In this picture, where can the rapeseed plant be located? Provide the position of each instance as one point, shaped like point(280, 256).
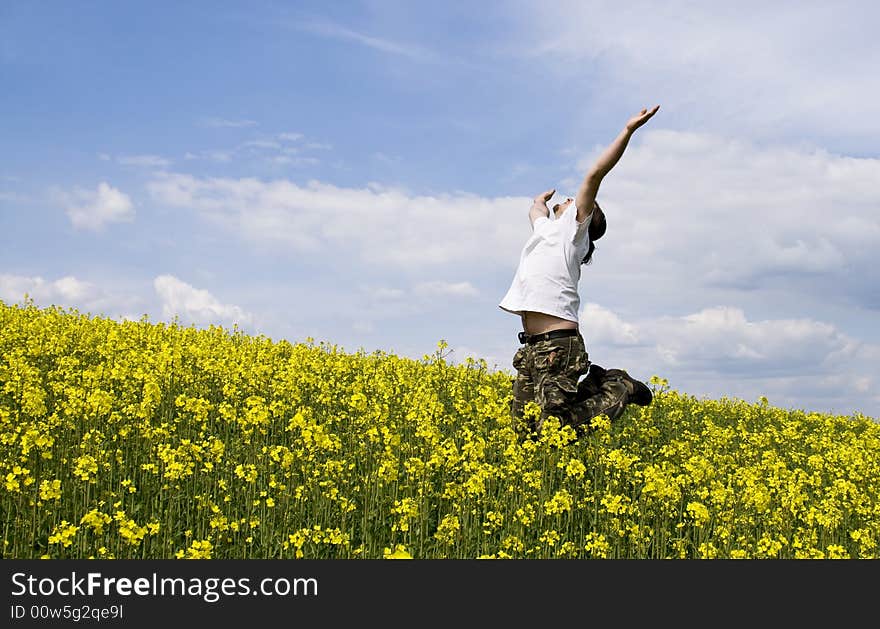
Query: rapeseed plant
point(140, 440)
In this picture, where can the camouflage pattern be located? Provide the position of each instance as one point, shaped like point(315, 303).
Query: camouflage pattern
point(548, 373)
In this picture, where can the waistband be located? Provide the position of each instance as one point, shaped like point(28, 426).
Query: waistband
point(546, 336)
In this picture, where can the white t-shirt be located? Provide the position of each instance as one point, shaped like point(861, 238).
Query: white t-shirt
point(549, 268)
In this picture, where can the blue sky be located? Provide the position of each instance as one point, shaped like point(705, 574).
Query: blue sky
point(360, 173)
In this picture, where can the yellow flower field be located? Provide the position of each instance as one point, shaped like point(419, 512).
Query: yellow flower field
point(149, 440)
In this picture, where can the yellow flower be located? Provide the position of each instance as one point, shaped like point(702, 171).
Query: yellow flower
point(835, 551)
point(63, 534)
point(399, 552)
point(96, 520)
point(85, 467)
point(560, 503)
point(698, 512)
point(50, 490)
point(575, 469)
point(198, 549)
point(448, 529)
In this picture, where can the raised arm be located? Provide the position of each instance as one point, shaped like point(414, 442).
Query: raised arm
point(586, 194)
point(539, 206)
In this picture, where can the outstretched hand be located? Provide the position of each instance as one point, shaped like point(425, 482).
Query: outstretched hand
point(545, 196)
point(641, 118)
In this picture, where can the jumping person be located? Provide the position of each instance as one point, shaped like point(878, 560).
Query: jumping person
point(544, 293)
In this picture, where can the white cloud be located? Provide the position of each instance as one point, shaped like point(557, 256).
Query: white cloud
point(445, 289)
point(274, 150)
point(698, 209)
point(719, 351)
point(601, 325)
point(72, 289)
point(177, 298)
point(94, 210)
point(65, 290)
point(149, 161)
point(459, 355)
point(722, 339)
point(705, 211)
point(381, 303)
point(376, 224)
point(750, 67)
point(195, 305)
point(214, 155)
point(284, 160)
point(69, 292)
point(261, 144)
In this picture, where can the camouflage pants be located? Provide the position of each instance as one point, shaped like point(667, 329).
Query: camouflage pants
point(548, 373)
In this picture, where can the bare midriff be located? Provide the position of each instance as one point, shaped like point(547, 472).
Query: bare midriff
point(538, 323)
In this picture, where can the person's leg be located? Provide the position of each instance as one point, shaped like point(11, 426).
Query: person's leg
point(523, 391)
point(608, 392)
point(590, 385)
point(640, 393)
point(559, 363)
point(610, 399)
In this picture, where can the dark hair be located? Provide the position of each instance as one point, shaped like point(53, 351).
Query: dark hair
point(595, 231)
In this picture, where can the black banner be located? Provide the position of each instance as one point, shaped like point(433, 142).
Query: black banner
point(134, 593)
